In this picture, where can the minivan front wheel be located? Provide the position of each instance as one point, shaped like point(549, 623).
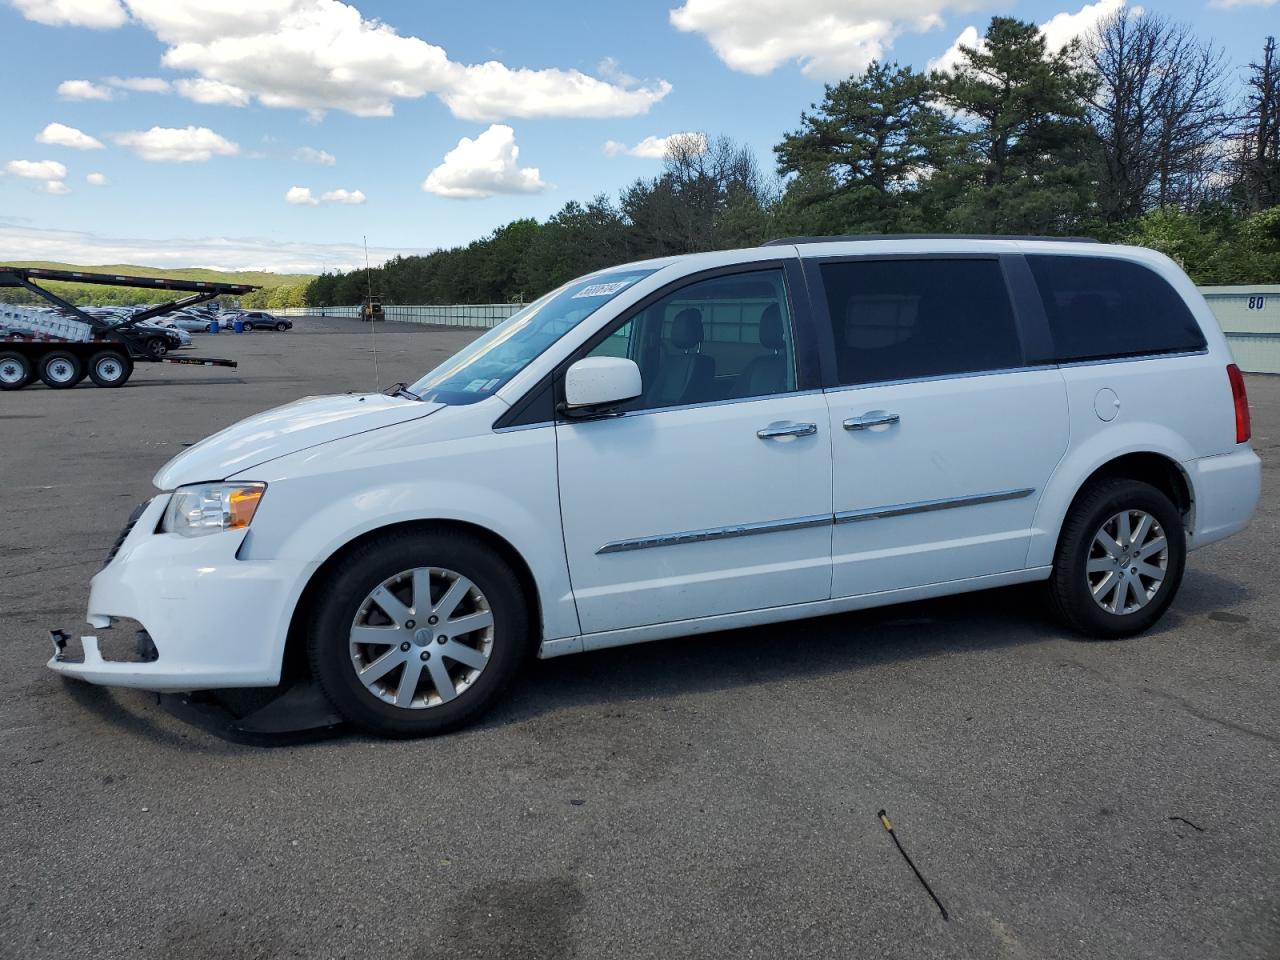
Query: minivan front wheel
point(1119, 561)
point(417, 633)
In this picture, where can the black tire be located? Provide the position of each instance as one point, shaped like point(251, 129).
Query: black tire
point(281, 328)
point(157, 347)
point(1069, 589)
point(340, 600)
point(61, 370)
point(110, 368)
point(16, 370)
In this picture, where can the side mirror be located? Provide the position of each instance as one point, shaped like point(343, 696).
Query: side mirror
point(594, 385)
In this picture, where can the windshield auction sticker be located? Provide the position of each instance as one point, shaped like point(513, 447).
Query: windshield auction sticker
point(605, 289)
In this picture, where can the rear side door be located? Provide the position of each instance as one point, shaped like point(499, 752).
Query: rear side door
point(946, 418)
point(711, 493)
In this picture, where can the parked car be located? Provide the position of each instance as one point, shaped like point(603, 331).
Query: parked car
point(700, 443)
point(166, 323)
point(156, 340)
point(190, 322)
point(260, 320)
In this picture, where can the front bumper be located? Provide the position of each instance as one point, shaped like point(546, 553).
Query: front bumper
point(215, 621)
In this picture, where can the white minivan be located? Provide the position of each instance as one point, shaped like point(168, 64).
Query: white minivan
point(693, 444)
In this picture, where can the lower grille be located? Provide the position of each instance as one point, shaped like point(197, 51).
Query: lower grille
point(129, 525)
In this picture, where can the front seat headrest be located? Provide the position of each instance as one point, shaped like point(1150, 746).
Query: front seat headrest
point(686, 329)
point(771, 333)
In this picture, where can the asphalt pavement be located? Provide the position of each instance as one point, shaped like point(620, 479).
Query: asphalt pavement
point(705, 797)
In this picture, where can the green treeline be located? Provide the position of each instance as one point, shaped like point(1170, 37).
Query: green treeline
point(1140, 133)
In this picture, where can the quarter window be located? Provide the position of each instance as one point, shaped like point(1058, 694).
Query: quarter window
point(719, 339)
point(912, 318)
point(1102, 307)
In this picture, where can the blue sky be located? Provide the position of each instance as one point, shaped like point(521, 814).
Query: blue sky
point(212, 117)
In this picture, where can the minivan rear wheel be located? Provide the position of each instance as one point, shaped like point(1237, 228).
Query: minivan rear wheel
point(417, 633)
point(1119, 561)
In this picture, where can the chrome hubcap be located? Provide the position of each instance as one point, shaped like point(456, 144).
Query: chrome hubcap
point(60, 371)
point(421, 638)
point(1127, 562)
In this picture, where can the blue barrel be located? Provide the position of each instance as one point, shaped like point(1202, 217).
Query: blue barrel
point(237, 326)
point(214, 326)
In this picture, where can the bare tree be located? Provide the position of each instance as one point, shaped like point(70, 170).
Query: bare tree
point(1158, 112)
point(1259, 163)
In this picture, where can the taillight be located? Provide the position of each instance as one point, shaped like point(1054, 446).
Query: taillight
point(1244, 427)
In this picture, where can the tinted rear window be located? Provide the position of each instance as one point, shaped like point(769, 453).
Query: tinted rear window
point(911, 318)
point(1100, 307)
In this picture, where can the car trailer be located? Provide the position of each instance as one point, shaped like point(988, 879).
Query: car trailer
point(63, 349)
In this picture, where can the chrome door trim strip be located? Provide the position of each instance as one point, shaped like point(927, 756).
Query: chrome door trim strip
point(928, 506)
point(815, 520)
point(716, 533)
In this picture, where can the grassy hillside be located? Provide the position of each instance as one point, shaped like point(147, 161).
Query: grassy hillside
point(278, 289)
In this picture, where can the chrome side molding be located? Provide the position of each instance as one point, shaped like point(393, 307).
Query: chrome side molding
point(716, 533)
point(927, 506)
point(817, 520)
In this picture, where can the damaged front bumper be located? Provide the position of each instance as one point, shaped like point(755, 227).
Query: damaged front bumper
point(210, 620)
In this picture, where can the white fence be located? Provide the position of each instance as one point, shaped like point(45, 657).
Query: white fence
point(480, 315)
point(1250, 317)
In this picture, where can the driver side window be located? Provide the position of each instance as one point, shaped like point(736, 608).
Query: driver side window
point(719, 339)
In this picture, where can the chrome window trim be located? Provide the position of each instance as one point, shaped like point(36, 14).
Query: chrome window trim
point(928, 506)
point(716, 533)
point(1170, 355)
point(814, 520)
point(1038, 368)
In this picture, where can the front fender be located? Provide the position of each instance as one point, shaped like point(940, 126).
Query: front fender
point(503, 483)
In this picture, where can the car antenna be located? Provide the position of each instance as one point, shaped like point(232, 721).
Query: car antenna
point(373, 336)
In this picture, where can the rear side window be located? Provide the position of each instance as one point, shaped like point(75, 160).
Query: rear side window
point(1100, 307)
point(911, 318)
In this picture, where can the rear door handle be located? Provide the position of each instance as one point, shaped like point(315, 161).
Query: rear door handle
point(874, 418)
point(787, 429)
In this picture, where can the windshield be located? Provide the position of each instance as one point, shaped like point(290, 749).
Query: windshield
point(486, 364)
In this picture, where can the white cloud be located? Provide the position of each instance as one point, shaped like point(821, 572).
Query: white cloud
point(60, 135)
point(1059, 30)
point(177, 144)
point(84, 90)
point(492, 91)
point(98, 14)
point(482, 167)
point(312, 155)
point(56, 187)
point(140, 84)
point(37, 169)
point(21, 242)
point(828, 38)
point(951, 57)
point(96, 179)
point(212, 92)
point(343, 196)
point(300, 197)
point(651, 148)
point(318, 55)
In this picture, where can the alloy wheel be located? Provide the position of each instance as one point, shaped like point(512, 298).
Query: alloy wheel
point(421, 638)
point(1127, 563)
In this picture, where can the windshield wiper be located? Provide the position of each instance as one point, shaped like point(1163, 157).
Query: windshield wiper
point(398, 390)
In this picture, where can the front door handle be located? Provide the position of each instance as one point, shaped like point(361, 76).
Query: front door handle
point(875, 418)
point(787, 429)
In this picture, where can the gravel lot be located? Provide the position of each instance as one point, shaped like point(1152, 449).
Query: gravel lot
point(712, 797)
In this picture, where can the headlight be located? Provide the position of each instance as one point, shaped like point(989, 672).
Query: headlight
point(209, 507)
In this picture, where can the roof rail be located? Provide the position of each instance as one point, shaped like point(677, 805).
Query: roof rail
point(787, 241)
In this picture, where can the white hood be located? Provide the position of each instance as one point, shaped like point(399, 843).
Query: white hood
point(284, 430)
